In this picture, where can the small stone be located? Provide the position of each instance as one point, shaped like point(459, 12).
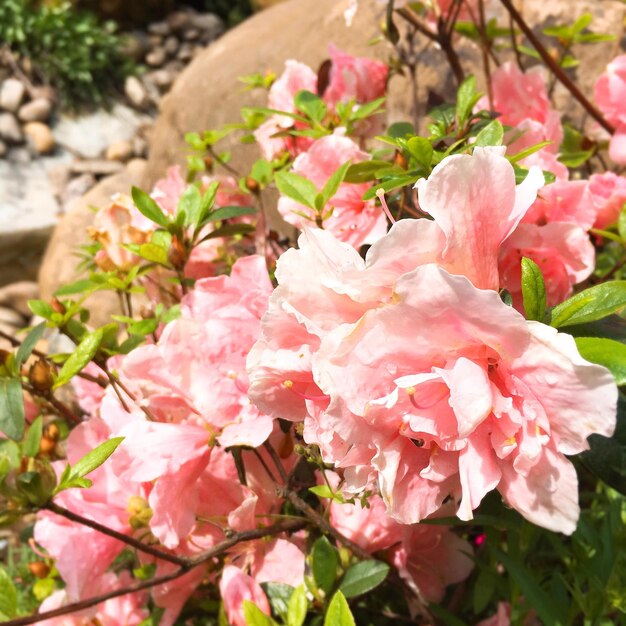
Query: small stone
point(191, 34)
point(16, 296)
point(11, 94)
point(37, 110)
point(119, 151)
point(45, 91)
point(185, 52)
point(162, 78)
point(21, 155)
point(154, 41)
point(179, 20)
point(59, 177)
point(156, 57)
point(159, 28)
point(76, 189)
point(136, 92)
point(140, 147)
point(97, 167)
point(9, 128)
point(210, 25)
point(171, 46)
point(40, 137)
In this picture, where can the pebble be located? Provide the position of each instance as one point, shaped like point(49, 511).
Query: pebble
point(136, 92)
point(40, 137)
point(156, 57)
point(171, 46)
point(119, 151)
point(159, 28)
point(97, 167)
point(37, 110)
point(11, 94)
point(10, 130)
point(16, 296)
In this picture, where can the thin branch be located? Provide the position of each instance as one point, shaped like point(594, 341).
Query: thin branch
point(56, 404)
point(555, 68)
point(414, 20)
point(220, 548)
point(131, 541)
point(277, 462)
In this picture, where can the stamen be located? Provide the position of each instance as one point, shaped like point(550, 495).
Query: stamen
point(380, 193)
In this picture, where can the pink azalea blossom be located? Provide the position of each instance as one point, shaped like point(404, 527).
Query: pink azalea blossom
point(352, 220)
point(563, 201)
point(235, 587)
point(610, 96)
point(608, 196)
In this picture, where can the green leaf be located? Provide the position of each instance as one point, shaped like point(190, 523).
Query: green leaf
point(466, 98)
point(12, 421)
point(190, 204)
point(421, 149)
point(365, 171)
point(228, 212)
point(535, 596)
point(41, 308)
point(490, 135)
point(279, 595)
point(152, 252)
point(332, 184)
point(254, 616)
point(230, 230)
point(363, 577)
point(298, 605)
point(297, 188)
point(28, 345)
point(362, 111)
point(611, 354)
point(310, 104)
point(82, 355)
point(148, 207)
point(621, 223)
point(94, 459)
point(80, 286)
point(522, 154)
point(401, 129)
point(591, 304)
point(533, 290)
point(143, 327)
point(324, 563)
point(322, 491)
point(43, 588)
point(338, 613)
point(33, 438)
point(8, 595)
point(262, 172)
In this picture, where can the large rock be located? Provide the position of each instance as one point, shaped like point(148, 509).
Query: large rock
point(60, 260)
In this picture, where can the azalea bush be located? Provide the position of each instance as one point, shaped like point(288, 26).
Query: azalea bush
point(411, 414)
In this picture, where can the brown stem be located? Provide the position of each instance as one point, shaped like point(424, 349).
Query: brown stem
point(518, 56)
point(57, 405)
point(220, 548)
point(414, 20)
point(277, 462)
point(555, 68)
point(131, 541)
point(16, 343)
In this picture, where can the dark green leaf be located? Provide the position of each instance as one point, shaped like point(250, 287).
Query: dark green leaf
point(591, 304)
point(533, 290)
point(324, 563)
point(82, 355)
point(230, 230)
point(338, 612)
point(148, 207)
point(363, 577)
point(12, 421)
point(611, 354)
point(297, 188)
point(28, 345)
point(401, 129)
point(310, 104)
point(33, 438)
point(421, 149)
point(279, 595)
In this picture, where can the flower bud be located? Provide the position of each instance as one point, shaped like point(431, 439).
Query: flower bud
point(52, 431)
point(39, 569)
point(140, 512)
point(208, 163)
point(41, 375)
point(46, 445)
point(57, 306)
point(252, 185)
point(177, 255)
point(400, 160)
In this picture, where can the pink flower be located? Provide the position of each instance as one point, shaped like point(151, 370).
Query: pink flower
point(351, 219)
point(466, 397)
point(608, 196)
point(167, 191)
point(354, 78)
point(610, 94)
point(235, 587)
point(501, 618)
point(563, 201)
